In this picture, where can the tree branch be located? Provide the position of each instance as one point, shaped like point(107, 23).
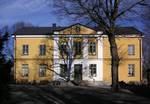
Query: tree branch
point(128, 9)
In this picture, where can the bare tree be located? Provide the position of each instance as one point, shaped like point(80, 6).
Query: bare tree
point(145, 15)
point(105, 14)
point(146, 48)
point(68, 52)
point(19, 25)
point(146, 61)
point(65, 54)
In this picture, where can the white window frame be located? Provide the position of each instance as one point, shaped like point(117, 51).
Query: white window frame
point(42, 70)
point(78, 47)
point(25, 49)
point(42, 49)
point(25, 70)
point(93, 67)
point(131, 70)
point(92, 48)
point(131, 49)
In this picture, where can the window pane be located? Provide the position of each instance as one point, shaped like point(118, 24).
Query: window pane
point(25, 49)
point(92, 68)
point(131, 70)
point(92, 48)
point(63, 70)
point(42, 70)
point(131, 49)
point(78, 46)
point(42, 49)
point(25, 70)
point(63, 48)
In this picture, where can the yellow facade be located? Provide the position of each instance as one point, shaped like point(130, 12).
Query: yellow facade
point(125, 59)
point(34, 59)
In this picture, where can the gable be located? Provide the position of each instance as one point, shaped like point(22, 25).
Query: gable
point(78, 29)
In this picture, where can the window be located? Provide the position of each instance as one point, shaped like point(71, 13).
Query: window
point(42, 70)
point(25, 70)
point(42, 49)
point(63, 48)
point(92, 48)
point(93, 70)
point(131, 70)
point(63, 70)
point(77, 47)
point(25, 49)
point(131, 49)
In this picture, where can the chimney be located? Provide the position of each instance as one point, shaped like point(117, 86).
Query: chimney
point(54, 25)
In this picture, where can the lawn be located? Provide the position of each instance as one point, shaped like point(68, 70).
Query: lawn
point(47, 94)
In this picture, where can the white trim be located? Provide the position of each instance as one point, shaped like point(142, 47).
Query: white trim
point(100, 32)
point(85, 69)
point(32, 36)
point(65, 35)
point(47, 36)
point(55, 57)
point(85, 48)
point(124, 36)
point(85, 63)
point(56, 32)
point(100, 57)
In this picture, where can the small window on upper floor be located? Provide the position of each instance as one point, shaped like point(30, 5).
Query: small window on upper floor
point(42, 49)
point(25, 49)
point(78, 48)
point(92, 48)
point(63, 48)
point(131, 49)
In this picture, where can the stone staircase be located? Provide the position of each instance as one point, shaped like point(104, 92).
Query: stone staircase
point(95, 84)
point(84, 83)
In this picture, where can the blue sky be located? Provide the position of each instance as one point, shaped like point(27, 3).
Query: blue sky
point(38, 13)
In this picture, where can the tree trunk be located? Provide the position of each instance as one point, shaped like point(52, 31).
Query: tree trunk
point(68, 72)
point(114, 61)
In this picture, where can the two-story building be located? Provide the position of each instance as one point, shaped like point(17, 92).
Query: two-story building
point(38, 55)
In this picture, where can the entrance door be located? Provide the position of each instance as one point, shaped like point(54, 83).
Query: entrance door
point(78, 72)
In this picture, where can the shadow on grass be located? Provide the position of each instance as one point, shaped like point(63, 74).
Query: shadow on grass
point(76, 96)
point(4, 94)
point(137, 89)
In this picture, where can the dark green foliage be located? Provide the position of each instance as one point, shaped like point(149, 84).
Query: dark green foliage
point(5, 68)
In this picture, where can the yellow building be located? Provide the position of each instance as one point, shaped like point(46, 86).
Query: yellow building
point(39, 54)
